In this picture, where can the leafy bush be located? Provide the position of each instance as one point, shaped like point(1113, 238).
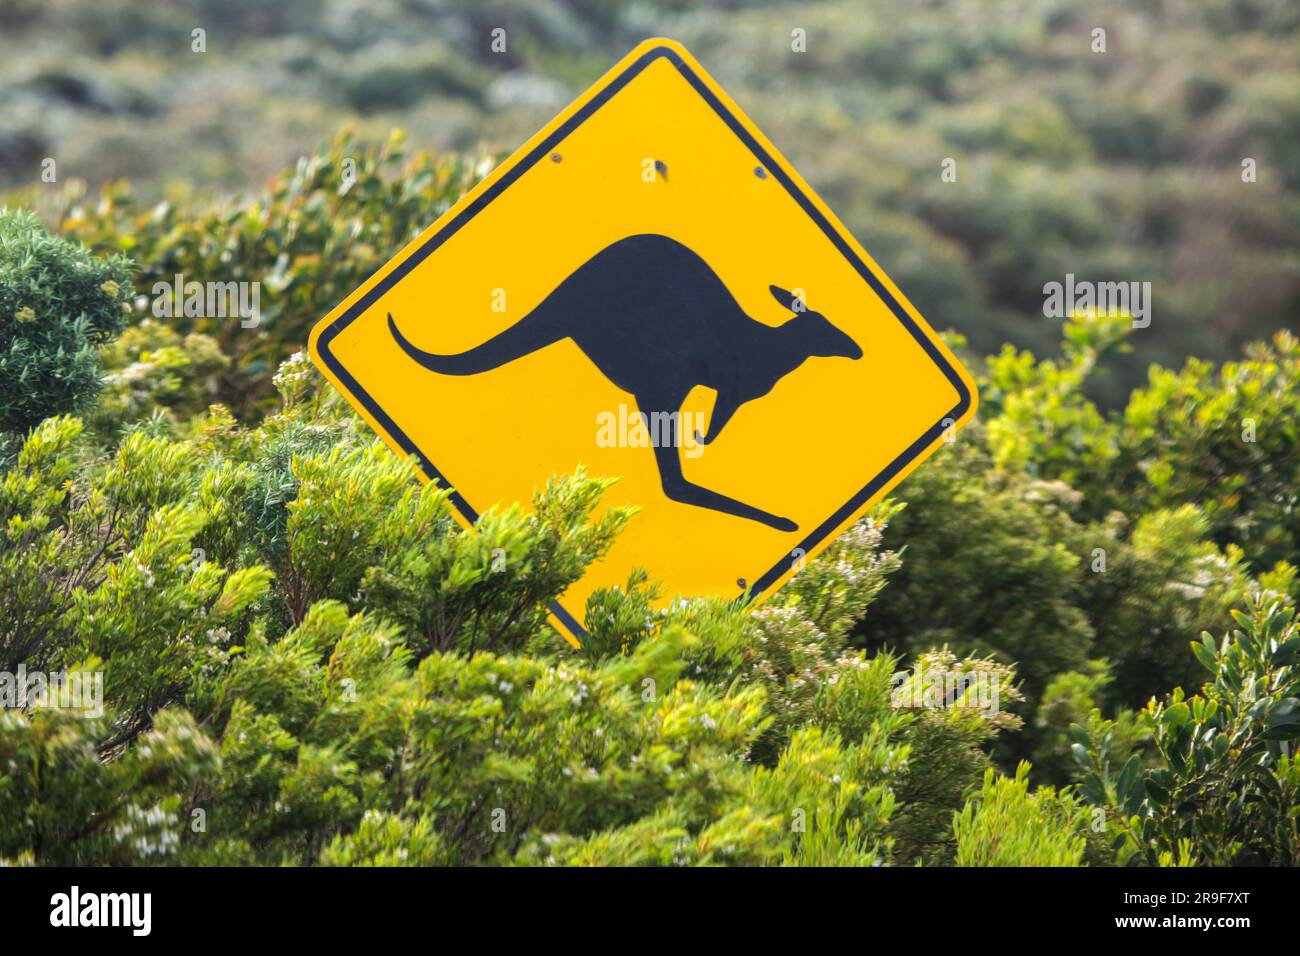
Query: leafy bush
point(1041, 541)
point(58, 304)
point(318, 232)
point(152, 370)
point(1228, 439)
point(1006, 825)
point(1227, 786)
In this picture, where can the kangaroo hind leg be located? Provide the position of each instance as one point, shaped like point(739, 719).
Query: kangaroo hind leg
point(678, 488)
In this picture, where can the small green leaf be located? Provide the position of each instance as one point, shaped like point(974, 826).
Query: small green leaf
point(1082, 756)
point(1176, 715)
point(1205, 654)
point(1286, 711)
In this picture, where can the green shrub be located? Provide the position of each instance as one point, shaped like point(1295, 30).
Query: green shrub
point(58, 304)
point(62, 804)
point(318, 231)
point(152, 370)
point(1227, 785)
point(1006, 825)
point(1226, 439)
point(1037, 538)
point(1075, 698)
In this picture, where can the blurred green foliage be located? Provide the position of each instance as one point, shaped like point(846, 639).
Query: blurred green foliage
point(1123, 165)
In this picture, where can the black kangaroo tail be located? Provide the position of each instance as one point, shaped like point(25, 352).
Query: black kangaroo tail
point(527, 335)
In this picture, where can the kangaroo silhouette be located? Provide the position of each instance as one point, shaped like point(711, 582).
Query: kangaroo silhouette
point(657, 321)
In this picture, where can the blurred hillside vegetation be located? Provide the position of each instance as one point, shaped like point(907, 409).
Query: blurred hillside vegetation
point(1115, 166)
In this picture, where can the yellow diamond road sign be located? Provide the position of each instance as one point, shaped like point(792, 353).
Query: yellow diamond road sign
point(647, 288)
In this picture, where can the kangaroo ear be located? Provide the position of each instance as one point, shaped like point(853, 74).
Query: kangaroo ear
point(787, 299)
